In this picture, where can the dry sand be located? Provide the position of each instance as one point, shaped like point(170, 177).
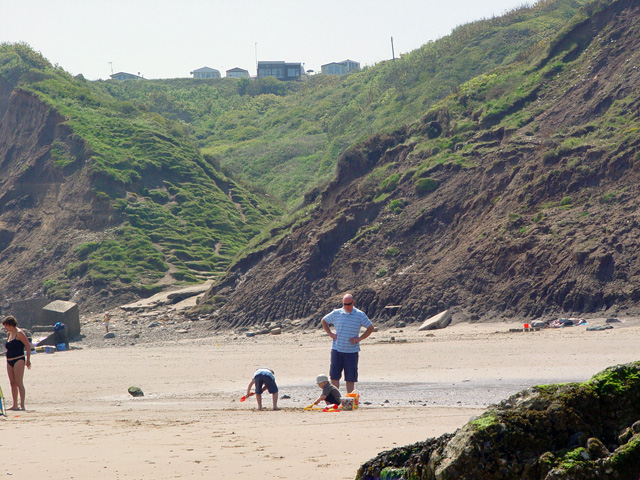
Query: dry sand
point(81, 423)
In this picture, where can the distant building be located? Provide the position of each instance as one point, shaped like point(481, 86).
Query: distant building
point(281, 70)
point(125, 76)
point(206, 72)
point(238, 73)
point(340, 68)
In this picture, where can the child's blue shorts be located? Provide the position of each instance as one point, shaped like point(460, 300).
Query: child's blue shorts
point(261, 380)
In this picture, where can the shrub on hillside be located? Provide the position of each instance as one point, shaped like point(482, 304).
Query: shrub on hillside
point(425, 185)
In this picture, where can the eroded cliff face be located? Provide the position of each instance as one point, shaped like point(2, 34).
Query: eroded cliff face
point(537, 216)
point(46, 209)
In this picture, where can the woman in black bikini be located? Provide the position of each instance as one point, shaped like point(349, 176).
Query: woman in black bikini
point(17, 359)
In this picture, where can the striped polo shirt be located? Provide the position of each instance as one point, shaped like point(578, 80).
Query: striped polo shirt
point(347, 326)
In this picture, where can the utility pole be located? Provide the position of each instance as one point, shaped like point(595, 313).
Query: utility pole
point(256, 46)
point(111, 63)
point(393, 54)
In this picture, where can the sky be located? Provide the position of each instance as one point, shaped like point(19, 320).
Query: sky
point(171, 38)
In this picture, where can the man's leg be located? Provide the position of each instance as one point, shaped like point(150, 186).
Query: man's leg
point(350, 370)
point(335, 370)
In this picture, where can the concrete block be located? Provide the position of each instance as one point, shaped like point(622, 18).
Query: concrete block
point(440, 320)
point(65, 312)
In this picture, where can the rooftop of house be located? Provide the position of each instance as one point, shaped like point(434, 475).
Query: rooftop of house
point(205, 69)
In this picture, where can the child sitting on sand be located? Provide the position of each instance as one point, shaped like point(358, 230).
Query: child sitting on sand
point(264, 379)
point(330, 393)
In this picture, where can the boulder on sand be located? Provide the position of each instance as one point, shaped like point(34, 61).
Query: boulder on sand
point(135, 392)
point(440, 320)
point(560, 432)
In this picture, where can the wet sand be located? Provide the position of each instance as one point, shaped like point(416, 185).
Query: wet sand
point(81, 423)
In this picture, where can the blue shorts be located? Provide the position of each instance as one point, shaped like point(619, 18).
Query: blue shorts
point(262, 380)
point(344, 361)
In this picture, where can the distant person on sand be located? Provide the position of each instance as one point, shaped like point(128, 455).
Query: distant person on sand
point(264, 379)
point(330, 393)
point(18, 356)
point(107, 319)
point(346, 341)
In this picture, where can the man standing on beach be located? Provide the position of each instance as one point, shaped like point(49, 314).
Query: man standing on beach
point(346, 341)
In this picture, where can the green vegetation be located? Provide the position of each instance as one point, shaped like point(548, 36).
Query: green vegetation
point(628, 455)
point(540, 216)
point(425, 185)
point(390, 183)
point(381, 272)
point(616, 380)
point(609, 197)
point(163, 156)
point(128, 258)
point(487, 420)
point(391, 252)
point(365, 232)
point(393, 473)
point(566, 202)
point(378, 182)
point(57, 288)
point(175, 206)
point(396, 206)
point(573, 459)
point(286, 137)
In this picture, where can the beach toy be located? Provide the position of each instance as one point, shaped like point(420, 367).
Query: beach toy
point(347, 403)
point(3, 412)
point(244, 397)
point(356, 398)
point(332, 408)
point(328, 408)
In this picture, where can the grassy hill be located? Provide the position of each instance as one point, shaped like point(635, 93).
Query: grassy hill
point(511, 197)
point(286, 137)
point(167, 214)
point(179, 176)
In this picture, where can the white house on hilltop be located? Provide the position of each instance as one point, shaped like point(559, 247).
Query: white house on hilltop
point(340, 68)
point(125, 76)
point(238, 73)
point(206, 72)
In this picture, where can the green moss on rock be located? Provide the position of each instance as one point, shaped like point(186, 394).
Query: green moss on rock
point(568, 431)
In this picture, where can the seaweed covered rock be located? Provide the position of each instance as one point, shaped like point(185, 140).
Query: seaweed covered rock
point(577, 431)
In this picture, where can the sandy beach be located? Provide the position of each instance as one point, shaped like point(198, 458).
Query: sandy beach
point(81, 423)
